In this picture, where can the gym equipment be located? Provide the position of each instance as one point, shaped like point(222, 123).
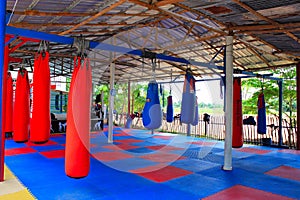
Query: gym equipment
point(261, 114)
point(77, 156)
point(188, 99)
point(152, 113)
point(21, 113)
point(237, 114)
point(41, 121)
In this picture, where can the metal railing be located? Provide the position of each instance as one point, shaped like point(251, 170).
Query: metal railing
point(215, 129)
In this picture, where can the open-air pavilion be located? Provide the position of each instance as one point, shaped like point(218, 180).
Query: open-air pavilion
point(131, 41)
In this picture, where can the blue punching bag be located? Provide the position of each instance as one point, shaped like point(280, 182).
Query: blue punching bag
point(170, 109)
point(188, 99)
point(261, 115)
point(196, 120)
point(152, 114)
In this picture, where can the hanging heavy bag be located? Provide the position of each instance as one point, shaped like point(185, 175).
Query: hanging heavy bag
point(188, 99)
point(8, 126)
point(261, 115)
point(237, 114)
point(77, 157)
point(196, 120)
point(21, 114)
point(41, 121)
point(152, 113)
point(170, 109)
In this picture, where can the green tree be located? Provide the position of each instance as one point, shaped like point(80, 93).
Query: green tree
point(254, 86)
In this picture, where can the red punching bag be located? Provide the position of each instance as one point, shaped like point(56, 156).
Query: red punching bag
point(77, 157)
point(40, 121)
point(8, 126)
point(21, 114)
point(237, 123)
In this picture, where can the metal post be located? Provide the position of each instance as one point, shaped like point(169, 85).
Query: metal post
point(2, 71)
point(61, 102)
point(298, 106)
point(111, 97)
point(280, 114)
point(188, 129)
point(128, 99)
point(228, 105)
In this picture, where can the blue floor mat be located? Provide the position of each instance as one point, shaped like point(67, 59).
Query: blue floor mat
point(46, 178)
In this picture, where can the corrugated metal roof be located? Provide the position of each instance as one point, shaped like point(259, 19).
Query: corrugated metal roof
point(266, 33)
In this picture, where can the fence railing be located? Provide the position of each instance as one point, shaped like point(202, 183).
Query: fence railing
point(215, 129)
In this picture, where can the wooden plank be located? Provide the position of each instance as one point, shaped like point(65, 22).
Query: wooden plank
point(102, 12)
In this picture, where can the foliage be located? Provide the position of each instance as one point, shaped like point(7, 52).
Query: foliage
point(138, 92)
point(253, 87)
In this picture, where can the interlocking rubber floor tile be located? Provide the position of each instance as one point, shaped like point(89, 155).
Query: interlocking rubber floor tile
point(164, 148)
point(254, 150)
point(163, 157)
point(240, 192)
point(286, 172)
point(17, 151)
point(54, 154)
point(290, 151)
point(165, 174)
point(48, 143)
point(110, 156)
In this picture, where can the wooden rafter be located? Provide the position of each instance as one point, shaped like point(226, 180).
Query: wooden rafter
point(166, 2)
point(73, 14)
point(257, 14)
point(94, 17)
point(28, 25)
point(272, 67)
point(264, 27)
point(193, 21)
point(200, 13)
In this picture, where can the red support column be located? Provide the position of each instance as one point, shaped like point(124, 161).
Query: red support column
point(298, 105)
point(4, 83)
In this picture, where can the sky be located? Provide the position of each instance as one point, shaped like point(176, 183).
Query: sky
point(206, 91)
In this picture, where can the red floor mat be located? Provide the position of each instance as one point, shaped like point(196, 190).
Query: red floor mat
point(163, 157)
point(110, 156)
point(239, 192)
point(164, 137)
point(17, 151)
point(253, 150)
point(203, 143)
point(54, 154)
point(165, 174)
point(286, 172)
point(121, 134)
point(291, 151)
point(50, 142)
point(164, 148)
point(128, 141)
point(119, 147)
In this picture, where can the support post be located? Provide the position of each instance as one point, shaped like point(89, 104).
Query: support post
point(61, 102)
point(188, 129)
point(229, 104)
point(298, 105)
point(111, 97)
point(2, 71)
point(280, 114)
point(128, 99)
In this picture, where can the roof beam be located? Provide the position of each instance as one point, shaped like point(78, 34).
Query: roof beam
point(28, 25)
point(264, 27)
point(73, 14)
point(257, 14)
point(166, 2)
point(102, 12)
point(194, 21)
